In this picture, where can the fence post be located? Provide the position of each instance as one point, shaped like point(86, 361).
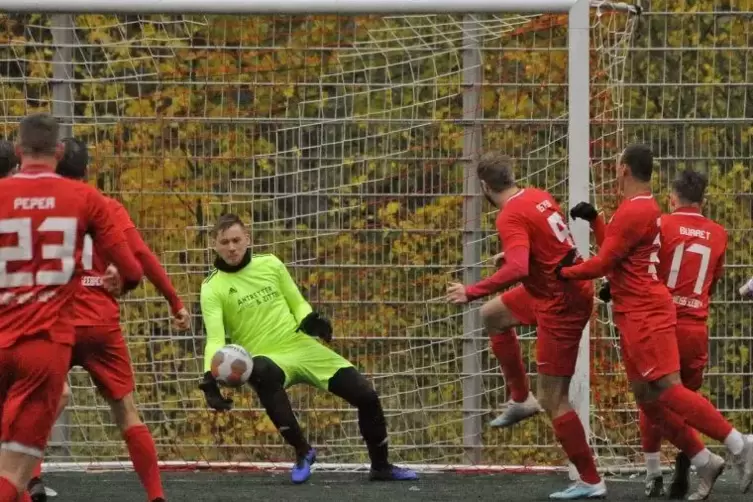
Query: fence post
point(472, 380)
point(62, 108)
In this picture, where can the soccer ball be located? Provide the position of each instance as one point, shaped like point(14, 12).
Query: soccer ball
point(232, 365)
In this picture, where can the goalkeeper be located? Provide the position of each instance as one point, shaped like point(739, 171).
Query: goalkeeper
point(256, 303)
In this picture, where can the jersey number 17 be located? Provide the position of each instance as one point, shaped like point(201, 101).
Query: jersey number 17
point(674, 268)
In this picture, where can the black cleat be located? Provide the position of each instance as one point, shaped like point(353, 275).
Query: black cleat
point(681, 478)
point(655, 487)
point(37, 491)
point(159, 499)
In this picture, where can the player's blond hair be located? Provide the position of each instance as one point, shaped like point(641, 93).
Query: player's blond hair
point(496, 170)
point(226, 221)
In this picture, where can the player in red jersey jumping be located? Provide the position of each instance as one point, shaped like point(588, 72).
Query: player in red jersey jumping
point(644, 314)
point(99, 345)
point(43, 220)
point(535, 239)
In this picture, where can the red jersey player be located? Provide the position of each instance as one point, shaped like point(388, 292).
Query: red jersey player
point(43, 220)
point(691, 262)
point(100, 347)
point(535, 240)
point(644, 314)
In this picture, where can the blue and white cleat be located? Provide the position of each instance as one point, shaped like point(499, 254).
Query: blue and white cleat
point(393, 473)
point(302, 469)
point(516, 412)
point(581, 490)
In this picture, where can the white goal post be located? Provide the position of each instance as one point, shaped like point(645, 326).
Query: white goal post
point(578, 135)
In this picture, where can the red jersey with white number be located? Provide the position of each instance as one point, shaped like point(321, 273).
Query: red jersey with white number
point(43, 220)
point(691, 260)
point(629, 256)
point(93, 305)
point(532, 218)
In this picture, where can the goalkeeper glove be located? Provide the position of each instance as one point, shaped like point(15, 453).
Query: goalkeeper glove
point(584, 211)
point(212, 394)
point(567, 261)
point(605, 293)
point(317, 325)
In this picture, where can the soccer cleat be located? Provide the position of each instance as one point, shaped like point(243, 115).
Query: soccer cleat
point(680, 485)
point(392, 473)
point(36, 490)
point(707, 475)
point(302, 468)
point(743, 464)
point(516, 412)
point(654, 486)
point(581, 490)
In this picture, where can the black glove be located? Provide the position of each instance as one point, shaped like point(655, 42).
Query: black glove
point(317, 325)
point(584, 211)
point(567, 261)
point(212, 394)
point(605, 293)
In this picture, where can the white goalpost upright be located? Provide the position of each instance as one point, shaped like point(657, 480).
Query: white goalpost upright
point(459, 388)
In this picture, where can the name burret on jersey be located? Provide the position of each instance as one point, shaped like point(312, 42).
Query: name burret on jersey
point(31, 203)
point(694, 232)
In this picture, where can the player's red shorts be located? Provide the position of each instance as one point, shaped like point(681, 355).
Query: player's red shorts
point(34, 371)
point(102, 352)
point(559, 325)
point(693, 344)
point(649, 343)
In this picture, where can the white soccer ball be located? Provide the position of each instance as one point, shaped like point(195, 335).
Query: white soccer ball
point(232, 366)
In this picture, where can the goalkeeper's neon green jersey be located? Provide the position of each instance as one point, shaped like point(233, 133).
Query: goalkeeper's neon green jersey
point(258, 307)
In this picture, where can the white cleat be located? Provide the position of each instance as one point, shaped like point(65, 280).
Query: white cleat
point(581, 490)
point(707, 476)
point(655, 486)
point(517, 412)
point(744, 464)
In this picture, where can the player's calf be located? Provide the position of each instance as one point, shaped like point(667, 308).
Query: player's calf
point(553, 393)
point(352, 386)
point(140, 445)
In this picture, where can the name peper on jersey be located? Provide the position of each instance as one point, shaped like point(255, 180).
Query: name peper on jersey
point(93, 305)
point(691, 260)
point(533, 218)
point(43, 220)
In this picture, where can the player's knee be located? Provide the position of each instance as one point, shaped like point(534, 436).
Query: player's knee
point(125, 413)
point(266, 375)
point(495, 316)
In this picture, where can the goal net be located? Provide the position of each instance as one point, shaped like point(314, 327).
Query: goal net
point(344, 142)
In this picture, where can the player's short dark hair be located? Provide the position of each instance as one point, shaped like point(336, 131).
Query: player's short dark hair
point(38, 134)
point(226, 221)
point(75, 161)
point(496, 170)
point(640, 160)
point(690, 186)
point(8, 158)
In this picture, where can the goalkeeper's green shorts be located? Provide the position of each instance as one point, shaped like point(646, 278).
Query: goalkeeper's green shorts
point(307, 361)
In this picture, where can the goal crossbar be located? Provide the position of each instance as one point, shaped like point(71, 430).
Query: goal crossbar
point(392, 7)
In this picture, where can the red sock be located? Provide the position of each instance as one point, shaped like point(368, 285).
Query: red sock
point(37, 470)
point(650, 434)
point(144, 457)
point(673, 428)
point(26, 497)
point(698, 412)
point(572, 437)
point(507, 351)
point(8, 491)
